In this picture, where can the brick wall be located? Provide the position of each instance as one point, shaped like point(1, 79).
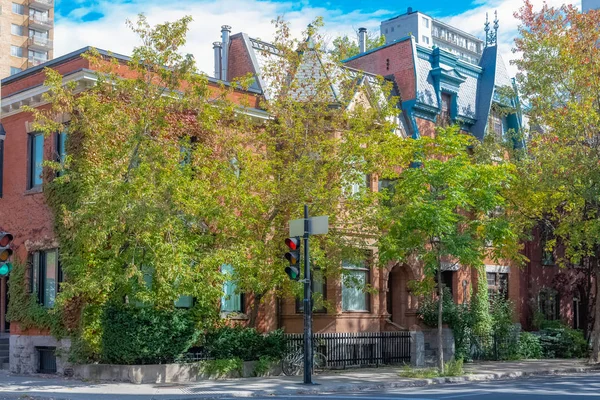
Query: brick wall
point(397, 60)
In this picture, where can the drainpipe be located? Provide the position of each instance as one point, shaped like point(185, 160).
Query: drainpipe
point(362, 40)
point(225, 32)
point(217, 50)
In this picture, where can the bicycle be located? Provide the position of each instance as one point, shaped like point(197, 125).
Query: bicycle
point(293, 363)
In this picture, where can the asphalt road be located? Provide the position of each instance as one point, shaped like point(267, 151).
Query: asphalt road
point(584, 386)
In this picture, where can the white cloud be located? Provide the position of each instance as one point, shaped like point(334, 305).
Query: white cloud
point(251, 16)
point(254, 17)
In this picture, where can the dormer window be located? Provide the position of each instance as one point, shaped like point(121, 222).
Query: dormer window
point(445, 118)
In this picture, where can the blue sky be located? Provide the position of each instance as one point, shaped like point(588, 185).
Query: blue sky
point(101, 23)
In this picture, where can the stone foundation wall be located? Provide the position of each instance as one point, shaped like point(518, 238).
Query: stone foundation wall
point(431, 345)
point(24, 357)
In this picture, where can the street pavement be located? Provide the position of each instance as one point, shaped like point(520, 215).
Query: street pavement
point(366, 383)
point(557, 387)
point(584, 386)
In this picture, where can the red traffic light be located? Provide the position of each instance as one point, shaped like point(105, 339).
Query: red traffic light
point(5, 239)
point(293, 243)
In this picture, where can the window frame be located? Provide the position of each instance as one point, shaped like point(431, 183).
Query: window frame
point(497, 287)
point(37, 275)
point(19, 53)
point(31, 169)
point(366, 270)
point(60, 148)
point(548, 302)
point(18, 6)
point(300, 302)
point(242, 308)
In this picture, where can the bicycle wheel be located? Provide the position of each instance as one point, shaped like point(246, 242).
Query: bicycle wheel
point(290, 365)
point(319, 362)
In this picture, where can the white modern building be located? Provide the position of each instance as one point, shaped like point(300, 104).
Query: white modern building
point(429, 31)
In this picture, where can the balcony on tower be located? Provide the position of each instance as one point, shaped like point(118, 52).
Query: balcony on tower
point(40, 22)
point(41, 4)
point(39, 43)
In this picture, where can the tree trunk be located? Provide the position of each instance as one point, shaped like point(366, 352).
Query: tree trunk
point(595, 356)
point(254, 310)
point(440, 310)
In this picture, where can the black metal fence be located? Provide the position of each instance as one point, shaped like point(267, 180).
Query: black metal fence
point(357, 349)
point(494, 347)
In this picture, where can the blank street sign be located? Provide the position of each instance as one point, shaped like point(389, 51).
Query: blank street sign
point(318, 226)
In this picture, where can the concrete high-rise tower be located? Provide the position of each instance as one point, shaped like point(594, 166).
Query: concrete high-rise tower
point(26, 34)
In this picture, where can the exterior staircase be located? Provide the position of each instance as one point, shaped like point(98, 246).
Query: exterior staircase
point(4, 352)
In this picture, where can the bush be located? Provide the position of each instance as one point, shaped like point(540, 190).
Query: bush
point(145, 335)
point(529, 346)
point(563, 342)
point(245, 343)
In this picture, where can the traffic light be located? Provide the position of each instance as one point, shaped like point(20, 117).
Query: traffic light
point(293, 256)
point(5, 253)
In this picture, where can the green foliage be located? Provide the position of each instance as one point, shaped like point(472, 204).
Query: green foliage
point(447, 206)
point(25, 308)
point(559, 173)
point(145, 335)
point(452, 368)
point(563, 343)
point(245, 343)
point(344, 47)
point(264, 365)
point(222, 368)
point(530, 346)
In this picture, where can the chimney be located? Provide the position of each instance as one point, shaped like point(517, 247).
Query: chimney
point(225, 31)
point(217, 50)
point(409, 10)
point(362, 40)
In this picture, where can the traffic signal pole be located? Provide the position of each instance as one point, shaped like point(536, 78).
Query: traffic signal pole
point(308, 350)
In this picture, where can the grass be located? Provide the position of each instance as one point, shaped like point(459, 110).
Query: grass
point(452, 368)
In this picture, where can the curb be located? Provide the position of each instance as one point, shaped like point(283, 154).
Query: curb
point(406, 382)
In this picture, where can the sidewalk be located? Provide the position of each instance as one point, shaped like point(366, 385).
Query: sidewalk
point(335, 381)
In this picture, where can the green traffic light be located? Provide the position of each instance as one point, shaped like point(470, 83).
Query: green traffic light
point(293, 273)
point(5, 269)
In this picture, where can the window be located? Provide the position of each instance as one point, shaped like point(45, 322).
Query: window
point(426, 22)
point(40, 56)
point(38, 34)
point(61, 150)
point(447, 280)
point(355, 278)
point(16, 29)
point(319, 291)
point(445, 112)
point(547, 253)
point(495, 125)
point(232, 301)
point(184, 302)
point(16, 51)
point(549, 304)
point(36, 158)
point(497, 284)
point(18, 8)
point(38, 15)
point(46, 275)
point(425, 39)
point(577, 313)
point(14, 70)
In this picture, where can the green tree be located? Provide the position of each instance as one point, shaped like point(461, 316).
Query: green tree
point(137, 204)
point(344, 47)
point(330, 130)
point(559, 174)
point(447, 209)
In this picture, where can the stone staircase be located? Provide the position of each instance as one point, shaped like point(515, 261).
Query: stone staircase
point(4, 352)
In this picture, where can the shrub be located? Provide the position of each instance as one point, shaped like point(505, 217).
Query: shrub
point(454, 368)
point(222, 368)
point(244, 343)
point(145, 335)
point(529, 346)
point(563, 342)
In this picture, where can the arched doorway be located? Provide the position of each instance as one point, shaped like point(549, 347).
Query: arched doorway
point(401, 305)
